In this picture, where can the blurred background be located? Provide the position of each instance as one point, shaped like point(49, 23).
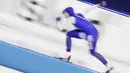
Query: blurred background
point(118, 5)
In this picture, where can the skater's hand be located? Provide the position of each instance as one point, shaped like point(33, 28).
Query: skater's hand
point(58, 19)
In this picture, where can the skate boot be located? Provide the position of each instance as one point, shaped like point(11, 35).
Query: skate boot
point(110, 69)
point(66, 59)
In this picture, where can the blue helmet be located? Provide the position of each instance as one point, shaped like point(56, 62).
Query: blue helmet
point(70, 11)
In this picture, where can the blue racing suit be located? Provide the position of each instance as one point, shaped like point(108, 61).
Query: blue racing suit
point(85, 30)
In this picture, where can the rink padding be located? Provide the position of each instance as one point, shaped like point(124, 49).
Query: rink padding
point(31, 62)
point(109, 9)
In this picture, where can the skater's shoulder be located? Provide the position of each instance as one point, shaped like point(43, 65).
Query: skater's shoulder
point(72, 19)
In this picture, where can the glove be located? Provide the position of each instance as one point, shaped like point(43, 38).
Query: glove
point(58, 19)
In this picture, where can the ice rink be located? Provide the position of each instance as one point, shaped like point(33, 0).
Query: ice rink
point(41, 43)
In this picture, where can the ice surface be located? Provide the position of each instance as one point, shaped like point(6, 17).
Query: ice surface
point(55, 47)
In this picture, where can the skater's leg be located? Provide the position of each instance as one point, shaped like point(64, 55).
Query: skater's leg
point(99, 56)
point(71, 34)
point(74, 34)
point(92, 45)
point(68, 44)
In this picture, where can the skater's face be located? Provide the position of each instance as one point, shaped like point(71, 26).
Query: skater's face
point(66, 15)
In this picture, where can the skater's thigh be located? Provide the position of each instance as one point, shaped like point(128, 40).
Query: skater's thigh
point(92, 42)
point(77, 34)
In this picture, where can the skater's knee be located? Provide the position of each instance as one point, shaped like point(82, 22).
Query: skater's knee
point(92, 52)
point(82, 35)
point(68, 34)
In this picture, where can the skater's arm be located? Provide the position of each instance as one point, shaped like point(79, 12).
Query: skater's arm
point(67, 24)
point(59, 23)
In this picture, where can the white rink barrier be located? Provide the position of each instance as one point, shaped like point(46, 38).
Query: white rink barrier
point(8, 70)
